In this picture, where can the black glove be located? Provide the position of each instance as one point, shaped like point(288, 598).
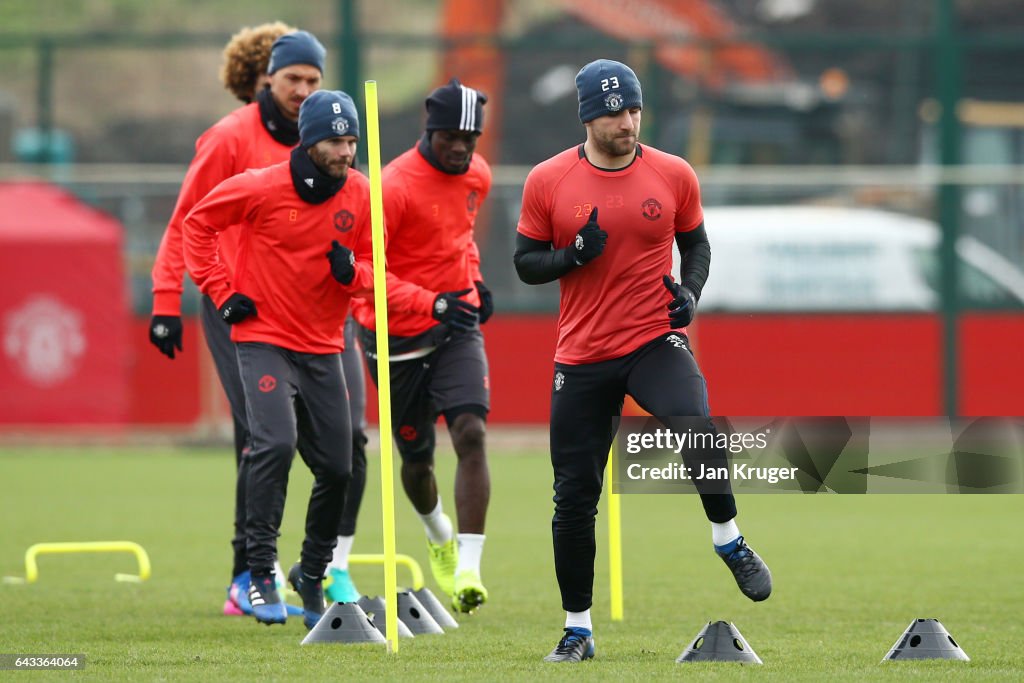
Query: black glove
point(486, 302)
point(458, 315)
point(165, 333)
point(237, 308)
point(590, 240)
point(684, 304)
point(343, 263)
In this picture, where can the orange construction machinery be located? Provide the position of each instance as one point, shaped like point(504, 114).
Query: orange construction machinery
point(693, 39)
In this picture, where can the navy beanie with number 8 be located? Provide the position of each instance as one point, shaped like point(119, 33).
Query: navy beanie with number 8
point(606, 87)
point(327, 114)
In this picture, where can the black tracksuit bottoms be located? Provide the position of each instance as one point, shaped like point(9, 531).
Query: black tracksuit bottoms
point(293, 396)
point(222, 349)
point(663, 377)
point(352, 367)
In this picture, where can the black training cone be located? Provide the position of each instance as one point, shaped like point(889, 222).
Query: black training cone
point(719, 641)
point(415, 615)
point(344, 622)
point(926, 639)
point(374, 608)
point(436, 609)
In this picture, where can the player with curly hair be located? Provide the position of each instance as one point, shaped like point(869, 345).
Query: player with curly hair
point(273, 68)
point(246, 56)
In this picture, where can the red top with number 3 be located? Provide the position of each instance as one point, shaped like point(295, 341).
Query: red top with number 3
point(617, 302)
point(429, 217)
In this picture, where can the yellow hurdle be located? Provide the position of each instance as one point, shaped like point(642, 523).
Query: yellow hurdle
point(32, 566)
point(411, 564)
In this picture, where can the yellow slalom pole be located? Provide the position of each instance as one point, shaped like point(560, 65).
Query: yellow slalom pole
point(614, 539)
point(380, 306)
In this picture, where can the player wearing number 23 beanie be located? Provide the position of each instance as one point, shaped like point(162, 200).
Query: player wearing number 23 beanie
point(606, 87)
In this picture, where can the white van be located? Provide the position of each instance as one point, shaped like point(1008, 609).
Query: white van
point(811, 258)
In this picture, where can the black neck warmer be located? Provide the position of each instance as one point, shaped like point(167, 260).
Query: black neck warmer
point(313, 185)
point(280, 127)
point(427, 153)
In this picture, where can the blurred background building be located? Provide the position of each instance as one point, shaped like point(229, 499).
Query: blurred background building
point(876, 150)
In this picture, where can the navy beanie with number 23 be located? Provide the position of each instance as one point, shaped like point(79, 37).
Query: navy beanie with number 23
point(327, 114)
point(606, 87)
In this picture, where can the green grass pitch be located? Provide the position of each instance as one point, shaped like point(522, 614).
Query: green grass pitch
point(851, 572)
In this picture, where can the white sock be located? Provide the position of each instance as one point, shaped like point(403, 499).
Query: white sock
point(724, 533)
point(471, 547)
point(437, 524)
point(579, 620)
point(341, 553)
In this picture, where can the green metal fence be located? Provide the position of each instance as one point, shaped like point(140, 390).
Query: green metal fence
point(925, 119)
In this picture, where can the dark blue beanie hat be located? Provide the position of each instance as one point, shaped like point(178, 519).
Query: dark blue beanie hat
point(327, 114)
point(607, 87)
point(455, 107)
point(298, 47)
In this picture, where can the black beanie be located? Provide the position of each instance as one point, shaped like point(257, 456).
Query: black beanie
point(456, 107)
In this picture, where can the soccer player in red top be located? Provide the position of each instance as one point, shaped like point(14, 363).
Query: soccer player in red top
point(254, 136)
point(600, 218)
point(432, 194)
point(286, 304)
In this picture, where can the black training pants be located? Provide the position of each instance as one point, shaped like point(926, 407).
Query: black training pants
point(292, 395)
point(663, 377)
point(222, 349)
point(225, 360)
point(352, 365)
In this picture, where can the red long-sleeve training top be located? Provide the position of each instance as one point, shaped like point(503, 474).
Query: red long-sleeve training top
point(281, 263)
point(236, 143)
point(429, 217)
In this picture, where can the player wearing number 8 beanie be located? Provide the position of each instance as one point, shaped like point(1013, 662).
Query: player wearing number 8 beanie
point(303, 252)
point(601, 219)
point(432, 194)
